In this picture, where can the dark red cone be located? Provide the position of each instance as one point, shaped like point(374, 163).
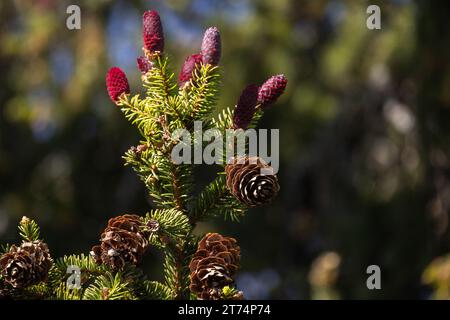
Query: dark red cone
point(272, 89)
point(116, 83)
point(188, 67)
point(245, 107)
point(211, 46)
point(152, 33)
point(144, 64)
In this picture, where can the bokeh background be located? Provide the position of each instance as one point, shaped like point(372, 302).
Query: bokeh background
point(364, 129)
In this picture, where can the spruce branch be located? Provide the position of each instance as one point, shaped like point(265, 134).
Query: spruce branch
point(168, 184)
point(146, 165)
point(139, 112)
point(175, 182)
point(224, 120)
point(35, 292)
point(172, 271)
point(256, 117)
point(173, 234)
point(4, 248)
point(201, 95)
point(110, 287)
point(177, 187)
point(154, 290)
point(28, 229)
point(64, 293)
point(88, 268)
point(224, 123)
point(216, 200)
point(193, 269)
point(161, 85)
point(176, 267)
point(171, 223)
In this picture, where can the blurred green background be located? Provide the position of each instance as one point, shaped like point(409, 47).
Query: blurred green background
point(364, 134)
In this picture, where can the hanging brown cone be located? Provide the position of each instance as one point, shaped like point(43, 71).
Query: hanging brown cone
point(246, 181)
point(213, 266)
point(121, 243)
point(26, 265)
point(128, 222)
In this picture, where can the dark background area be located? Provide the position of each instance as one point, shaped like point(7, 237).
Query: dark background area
point(364, 134)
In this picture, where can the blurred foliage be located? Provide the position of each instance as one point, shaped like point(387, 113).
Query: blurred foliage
point(365, 144)
point(323, 276)
point(437, 274)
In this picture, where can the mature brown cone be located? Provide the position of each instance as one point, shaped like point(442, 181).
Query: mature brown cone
point(128, 222)
point(121, 243)
point(248, 184)
point(213, 266)
point(26, 265)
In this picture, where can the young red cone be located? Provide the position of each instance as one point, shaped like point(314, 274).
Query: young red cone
point(271, 89)
point(211, 46)
point(144, 64)
point(116, 83)
point(152, 33)
point(188, 67)
point(245, 108)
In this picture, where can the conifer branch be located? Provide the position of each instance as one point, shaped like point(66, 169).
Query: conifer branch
point(201, 95)
point(29, 230)
point(224, 119)
point(35, 292)
point(193, 269)
point(161, 86)
point(87, 266)
point(171, 223)
point(256, 117)
point(64, 293)
point(175, 182)
point(215, 200)
point(139, 113)
point(4, 248)
point(179, 203)
point(110, 287)
point(154, 290)
point(176, 269)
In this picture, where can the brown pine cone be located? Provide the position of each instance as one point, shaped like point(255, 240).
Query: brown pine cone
point(247, 184)
point(129, 222)
point(26, 265)
point(213, 266)
point(121, 243)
